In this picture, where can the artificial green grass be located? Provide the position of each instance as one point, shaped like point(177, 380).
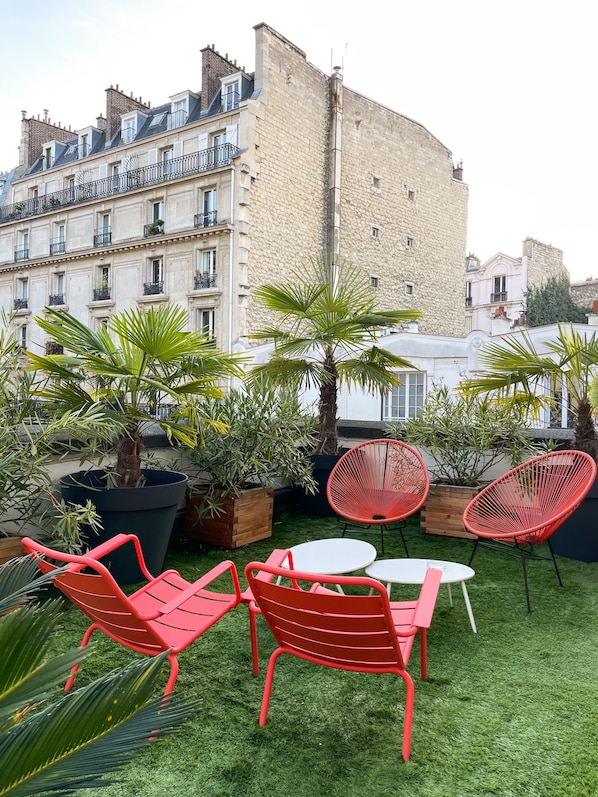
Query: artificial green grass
point(509, 711)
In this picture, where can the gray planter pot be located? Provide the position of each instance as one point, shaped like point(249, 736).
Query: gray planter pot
point(148, 512)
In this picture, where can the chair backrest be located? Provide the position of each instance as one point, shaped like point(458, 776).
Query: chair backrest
point(91, 587)
point(532, 500)
point(353, 632)
point(379, 480)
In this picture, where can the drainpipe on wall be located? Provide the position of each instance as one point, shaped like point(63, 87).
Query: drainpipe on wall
point(334, 175)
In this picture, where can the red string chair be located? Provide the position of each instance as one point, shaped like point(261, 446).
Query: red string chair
point(378, 483)
point(361, 633)
point(522, 508)
point(167, 613)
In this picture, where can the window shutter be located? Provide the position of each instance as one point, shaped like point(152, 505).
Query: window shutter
point(232, 134)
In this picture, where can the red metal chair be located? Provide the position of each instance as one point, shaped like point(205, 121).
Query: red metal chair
point(167, 613)
point(361, 633)
point(378, 483)
point(522, 508)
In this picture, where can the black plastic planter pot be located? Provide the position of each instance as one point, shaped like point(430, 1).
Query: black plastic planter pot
point(577, 538)
point(317, 504)
point(148, 512)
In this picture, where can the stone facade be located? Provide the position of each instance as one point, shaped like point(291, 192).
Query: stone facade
point(201, 199)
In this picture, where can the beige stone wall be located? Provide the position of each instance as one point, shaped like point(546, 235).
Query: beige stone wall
point(544, 261)
point(290, 159)
point(397, 183)
point(585, 293)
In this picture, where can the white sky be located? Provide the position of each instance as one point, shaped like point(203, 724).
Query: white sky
point(508, 87)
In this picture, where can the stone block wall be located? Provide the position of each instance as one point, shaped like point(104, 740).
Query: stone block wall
point(543, 261)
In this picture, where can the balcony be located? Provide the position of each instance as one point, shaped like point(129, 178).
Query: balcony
point(154, 228)
point(56, 298)
point(205, 219)
point(102, 238)
point(153, 288)
point(468, 301)
point(22, 254)
point(206, 280)
point(176, 119)
point(20, 304)
point(101, 294)
point(501, 296)
point(58, 247)
point(193, 163)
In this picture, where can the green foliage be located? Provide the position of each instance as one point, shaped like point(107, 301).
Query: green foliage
point(140, 360)
point(326, 336)
point(551, 303)
point(52, 742)
point(465, 435)
point(518, 375)
point(266, 434)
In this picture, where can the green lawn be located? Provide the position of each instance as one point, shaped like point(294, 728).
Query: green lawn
point(509, 711)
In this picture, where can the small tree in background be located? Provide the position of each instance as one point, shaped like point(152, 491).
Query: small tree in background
point(551, 303)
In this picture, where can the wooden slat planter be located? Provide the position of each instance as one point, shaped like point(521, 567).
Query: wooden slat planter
point(246, 518)
point(443, 511)
point(10, 547)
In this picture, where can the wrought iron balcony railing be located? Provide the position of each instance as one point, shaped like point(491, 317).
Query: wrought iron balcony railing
point(152, 288)
point(192, 163)
point(154, 228)
point(22, 254)
point(20, 304)
point(58, 247)
point(56, 298)
point(101, 294)
point(102, 238)
point(205, 219)
point(501, 296)
point(468, 301)
point(204, 281)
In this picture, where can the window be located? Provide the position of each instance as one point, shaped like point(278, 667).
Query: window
point(206, 270)
point(156, 225)
point(210, 207)
point(155, 277)
point(409, 288)
point(48, 159)
point(21, 336)
point(71, 188)
point(219, 150)
point(375, 184)
point(500, 289)
point(410, 194)
point(57, 295)
point(405, 400)
point(157, 211)
point(468, 296)
point(116, 186)
point(101, 291)
point(167, 156)
point(409, 242)
point(83, 145)
point(178, 114)
point(22, 250)
point(103, 235)
point(157, 119)
point(230, 96)
point(129, 130)
point(375, 232)
point(374, 283)
point(58, 243)
point(205, 323)
point(21, 301)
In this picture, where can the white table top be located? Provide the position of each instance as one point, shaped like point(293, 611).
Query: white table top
point(413, 571)
point(334, 556)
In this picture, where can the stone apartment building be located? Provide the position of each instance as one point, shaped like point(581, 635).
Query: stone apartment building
point(218, 190)
point(495, 290)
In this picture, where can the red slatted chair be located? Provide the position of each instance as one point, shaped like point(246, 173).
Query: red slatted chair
point(167, 613)
point(522, 508)
point(378, 483)
point(361, 633)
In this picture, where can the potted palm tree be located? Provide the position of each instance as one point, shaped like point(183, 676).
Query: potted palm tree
point(518, 374)
point(141, 370)
point(326, 337)
point(235, 471)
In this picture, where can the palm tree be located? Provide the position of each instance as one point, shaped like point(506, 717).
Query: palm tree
point(52, 742)
point(327, 337)
point(130, 367)
point(516, 372)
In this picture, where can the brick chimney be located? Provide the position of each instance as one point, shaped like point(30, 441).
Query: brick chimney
point(118, 103)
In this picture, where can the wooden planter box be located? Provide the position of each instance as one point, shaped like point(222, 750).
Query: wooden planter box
point(10, 547)
point(246, 518)
point(443, 511)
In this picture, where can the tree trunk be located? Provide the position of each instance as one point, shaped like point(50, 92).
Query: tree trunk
point(128, 459)
point(327, 430)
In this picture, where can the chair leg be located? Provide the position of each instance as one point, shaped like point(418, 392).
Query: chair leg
point(382, 539)
point(268, 685)
point(556, 567)
point(529, 606)
point(73, 673)
point(408, 715)
point(475, 547)
point(253, 635)
point(174, 671)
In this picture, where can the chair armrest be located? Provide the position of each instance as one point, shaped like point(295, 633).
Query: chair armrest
point(116, 542)
point(204, 581)
point(427, 598)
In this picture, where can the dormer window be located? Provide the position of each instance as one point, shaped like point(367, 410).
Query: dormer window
point(231, 92)
point(180, 107)
point(50, 152)
point(131, 124)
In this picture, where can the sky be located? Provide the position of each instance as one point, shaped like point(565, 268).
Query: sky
point(508, 87)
